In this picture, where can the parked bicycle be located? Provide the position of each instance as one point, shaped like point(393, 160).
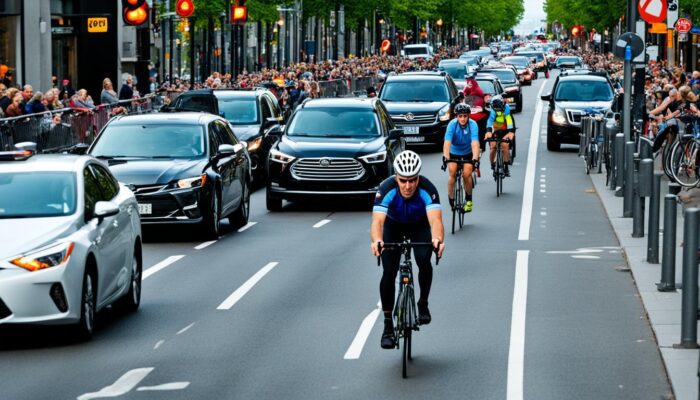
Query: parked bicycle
point(405, 313)
point(684, 157)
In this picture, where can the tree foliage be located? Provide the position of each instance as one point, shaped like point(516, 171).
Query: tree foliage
point(598, 14)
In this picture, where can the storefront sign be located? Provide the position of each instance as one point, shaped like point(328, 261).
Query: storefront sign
point(97, 25)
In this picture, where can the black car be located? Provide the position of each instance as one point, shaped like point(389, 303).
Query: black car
point(336, 147)
point(253, 114)
point(568, 62)
point(508, 77)
point(571, 95)
point(185, 168)
point(420, 103)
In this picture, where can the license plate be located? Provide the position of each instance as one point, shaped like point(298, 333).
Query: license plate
point(145, 209)
point(410, 130)
point(414, 139)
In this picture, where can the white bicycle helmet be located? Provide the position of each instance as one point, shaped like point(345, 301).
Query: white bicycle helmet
point(407, 163)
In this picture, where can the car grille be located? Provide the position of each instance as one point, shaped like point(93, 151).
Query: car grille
point(327, 169)
point(146, 189)
point(574, 117)
point(413, 119)
point(4, 310)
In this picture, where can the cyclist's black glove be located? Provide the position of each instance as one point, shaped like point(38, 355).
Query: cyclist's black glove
point(444, 163)
point(476, 164)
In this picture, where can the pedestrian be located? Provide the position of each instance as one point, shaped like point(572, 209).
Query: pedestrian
point(108, 95)
point(14, 109)
point(67, 91)
point(51, 101)
point(126, 92)
point(371, 92)
point(6, 100)
point(82, 100)
point(35, 104)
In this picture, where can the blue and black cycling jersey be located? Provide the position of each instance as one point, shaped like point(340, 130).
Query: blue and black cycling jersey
point(461, 138)
point(405, 211)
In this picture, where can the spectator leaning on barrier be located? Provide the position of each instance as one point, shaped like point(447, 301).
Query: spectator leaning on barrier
point(82, 100)
point(108, 95)
point(35, 105)
point(67, 91)
point(14, 109)
point(126, 92)
point(50, 100)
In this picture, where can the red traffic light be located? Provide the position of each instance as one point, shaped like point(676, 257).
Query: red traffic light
point(134, 12)
point(239, 15)
point(386, 45)
point(576, 30)
point(184, 8)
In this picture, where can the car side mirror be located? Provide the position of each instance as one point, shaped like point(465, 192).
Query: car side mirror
point(104, 209)
point(226, 150)
point(275, 130)
point(270, 122)
point(395, 133)
point(546, 97)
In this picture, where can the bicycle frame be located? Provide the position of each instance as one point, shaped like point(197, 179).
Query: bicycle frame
point(499, 172)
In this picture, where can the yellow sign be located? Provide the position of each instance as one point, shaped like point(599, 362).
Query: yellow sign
point(97, 25)
point(658, 28)
point(669, 39)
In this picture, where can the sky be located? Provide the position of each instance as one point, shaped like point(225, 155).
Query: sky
point(534, 12)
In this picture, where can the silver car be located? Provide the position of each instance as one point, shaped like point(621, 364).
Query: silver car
point(70, 241)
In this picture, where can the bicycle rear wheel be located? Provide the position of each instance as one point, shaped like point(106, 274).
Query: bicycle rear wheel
point(499, 173)
point(684, 163)
point(406, 351)
point(455, 200)
point(666, 156)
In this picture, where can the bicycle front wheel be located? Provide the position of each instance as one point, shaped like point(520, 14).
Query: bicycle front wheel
point(406, 351)
point(684, 163)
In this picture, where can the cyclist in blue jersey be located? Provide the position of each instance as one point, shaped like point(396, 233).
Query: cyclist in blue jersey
point(406, 205)
point(461, 143)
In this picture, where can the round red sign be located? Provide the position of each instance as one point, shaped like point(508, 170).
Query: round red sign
point(683, 25)
point(652, 11)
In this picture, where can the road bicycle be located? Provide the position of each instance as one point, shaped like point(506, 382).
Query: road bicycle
point(459, 193)
point(405, 313)
point(499, 172)
point(684, 158)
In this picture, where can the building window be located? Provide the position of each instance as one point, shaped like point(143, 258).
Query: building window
point(9, 43)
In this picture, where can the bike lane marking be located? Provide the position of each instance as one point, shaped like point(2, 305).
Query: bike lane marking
point(122, 386)
point(321, 223)
point(205, 245)
point(241, 291)
point(516, 352)
point(163, 264)
point(355, 349)
point(246, 226)
point(526, 212)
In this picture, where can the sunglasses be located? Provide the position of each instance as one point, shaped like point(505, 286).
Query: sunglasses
point(462, 116)
point(408, 180)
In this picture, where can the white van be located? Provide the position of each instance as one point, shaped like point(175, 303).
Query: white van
point(421, 50)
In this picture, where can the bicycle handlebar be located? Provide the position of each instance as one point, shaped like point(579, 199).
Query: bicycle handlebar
point(497, 140)
point(407, 245)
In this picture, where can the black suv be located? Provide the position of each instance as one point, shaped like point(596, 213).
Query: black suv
point(420, 103)
point(252, 113)
point(571, 94)
point(508, 77)
point(336, 147)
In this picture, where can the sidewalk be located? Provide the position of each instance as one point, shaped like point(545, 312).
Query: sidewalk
point(663, 308)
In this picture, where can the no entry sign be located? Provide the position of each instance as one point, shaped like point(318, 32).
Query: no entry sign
point(652, 11)
point(683, 25)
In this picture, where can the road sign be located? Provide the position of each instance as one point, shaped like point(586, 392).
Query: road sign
point(652, 11)
point(633, 40)
point(683, 25)
point(97, 25)
point(658, 28)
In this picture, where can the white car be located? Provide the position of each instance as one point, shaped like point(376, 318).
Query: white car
point(70, 241)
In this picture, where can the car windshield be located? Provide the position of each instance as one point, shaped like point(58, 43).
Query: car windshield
point(415, 51)
point(538, 55)
point(503, 74)
point(334, 122)
point(568, 60)
point(487, 86)
point(519, 62)
point(583, 91)
point(37, 194)
point(150, 141)
point(415, 91)
point(456, 71)
point(470, 60)
point(239, 111)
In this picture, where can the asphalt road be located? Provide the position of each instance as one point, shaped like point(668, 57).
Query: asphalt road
point(287, 307)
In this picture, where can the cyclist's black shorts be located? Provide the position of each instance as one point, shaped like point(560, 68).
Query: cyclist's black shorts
point(465, 157)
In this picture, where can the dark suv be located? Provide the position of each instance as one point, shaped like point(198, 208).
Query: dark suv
point(420, 103)
point(571, 95)
point(337, 148)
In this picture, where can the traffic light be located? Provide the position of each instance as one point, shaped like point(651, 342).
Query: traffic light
point(134, 12)
point(184, 8)
point(575, 30)
point(239, 15)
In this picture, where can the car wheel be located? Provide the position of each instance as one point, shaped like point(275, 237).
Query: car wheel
point(241, 215)
point(552, 140)
point(519, 108)
point(132, 299)
point(212, 221)
point(86, 325)
point(272, 203)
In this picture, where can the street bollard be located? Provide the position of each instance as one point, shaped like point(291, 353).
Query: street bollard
point(628, 187)
point(637, 200)
point(645, 150)
point(668, 259)
point(674, 188)
point(654, 205)
point(689, 302)
point(619, 163)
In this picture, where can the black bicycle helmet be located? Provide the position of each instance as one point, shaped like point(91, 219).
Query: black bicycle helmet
point(462, 108)
point(498, 104)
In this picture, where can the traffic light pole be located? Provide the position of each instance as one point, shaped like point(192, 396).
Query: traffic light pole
point(193, 24)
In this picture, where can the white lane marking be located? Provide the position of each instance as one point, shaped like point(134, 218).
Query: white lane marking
point(122, 386)
point(516, 353)
point(246, 226)
point(577, 251)
point(241, 291)
point(165, 386)
point(183, 330)
point(587, 257)
point(161, 265)
point(205, 245)
point(355, 349)
point(321, 223)
point(160, 342)
point(526, 212)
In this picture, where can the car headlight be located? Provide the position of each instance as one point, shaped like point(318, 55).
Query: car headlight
point(254, 144)
point(188, 183)
point(444, 113)
point(558, 116)
point(374, 158)
point(282, 158)
point(55, 255)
